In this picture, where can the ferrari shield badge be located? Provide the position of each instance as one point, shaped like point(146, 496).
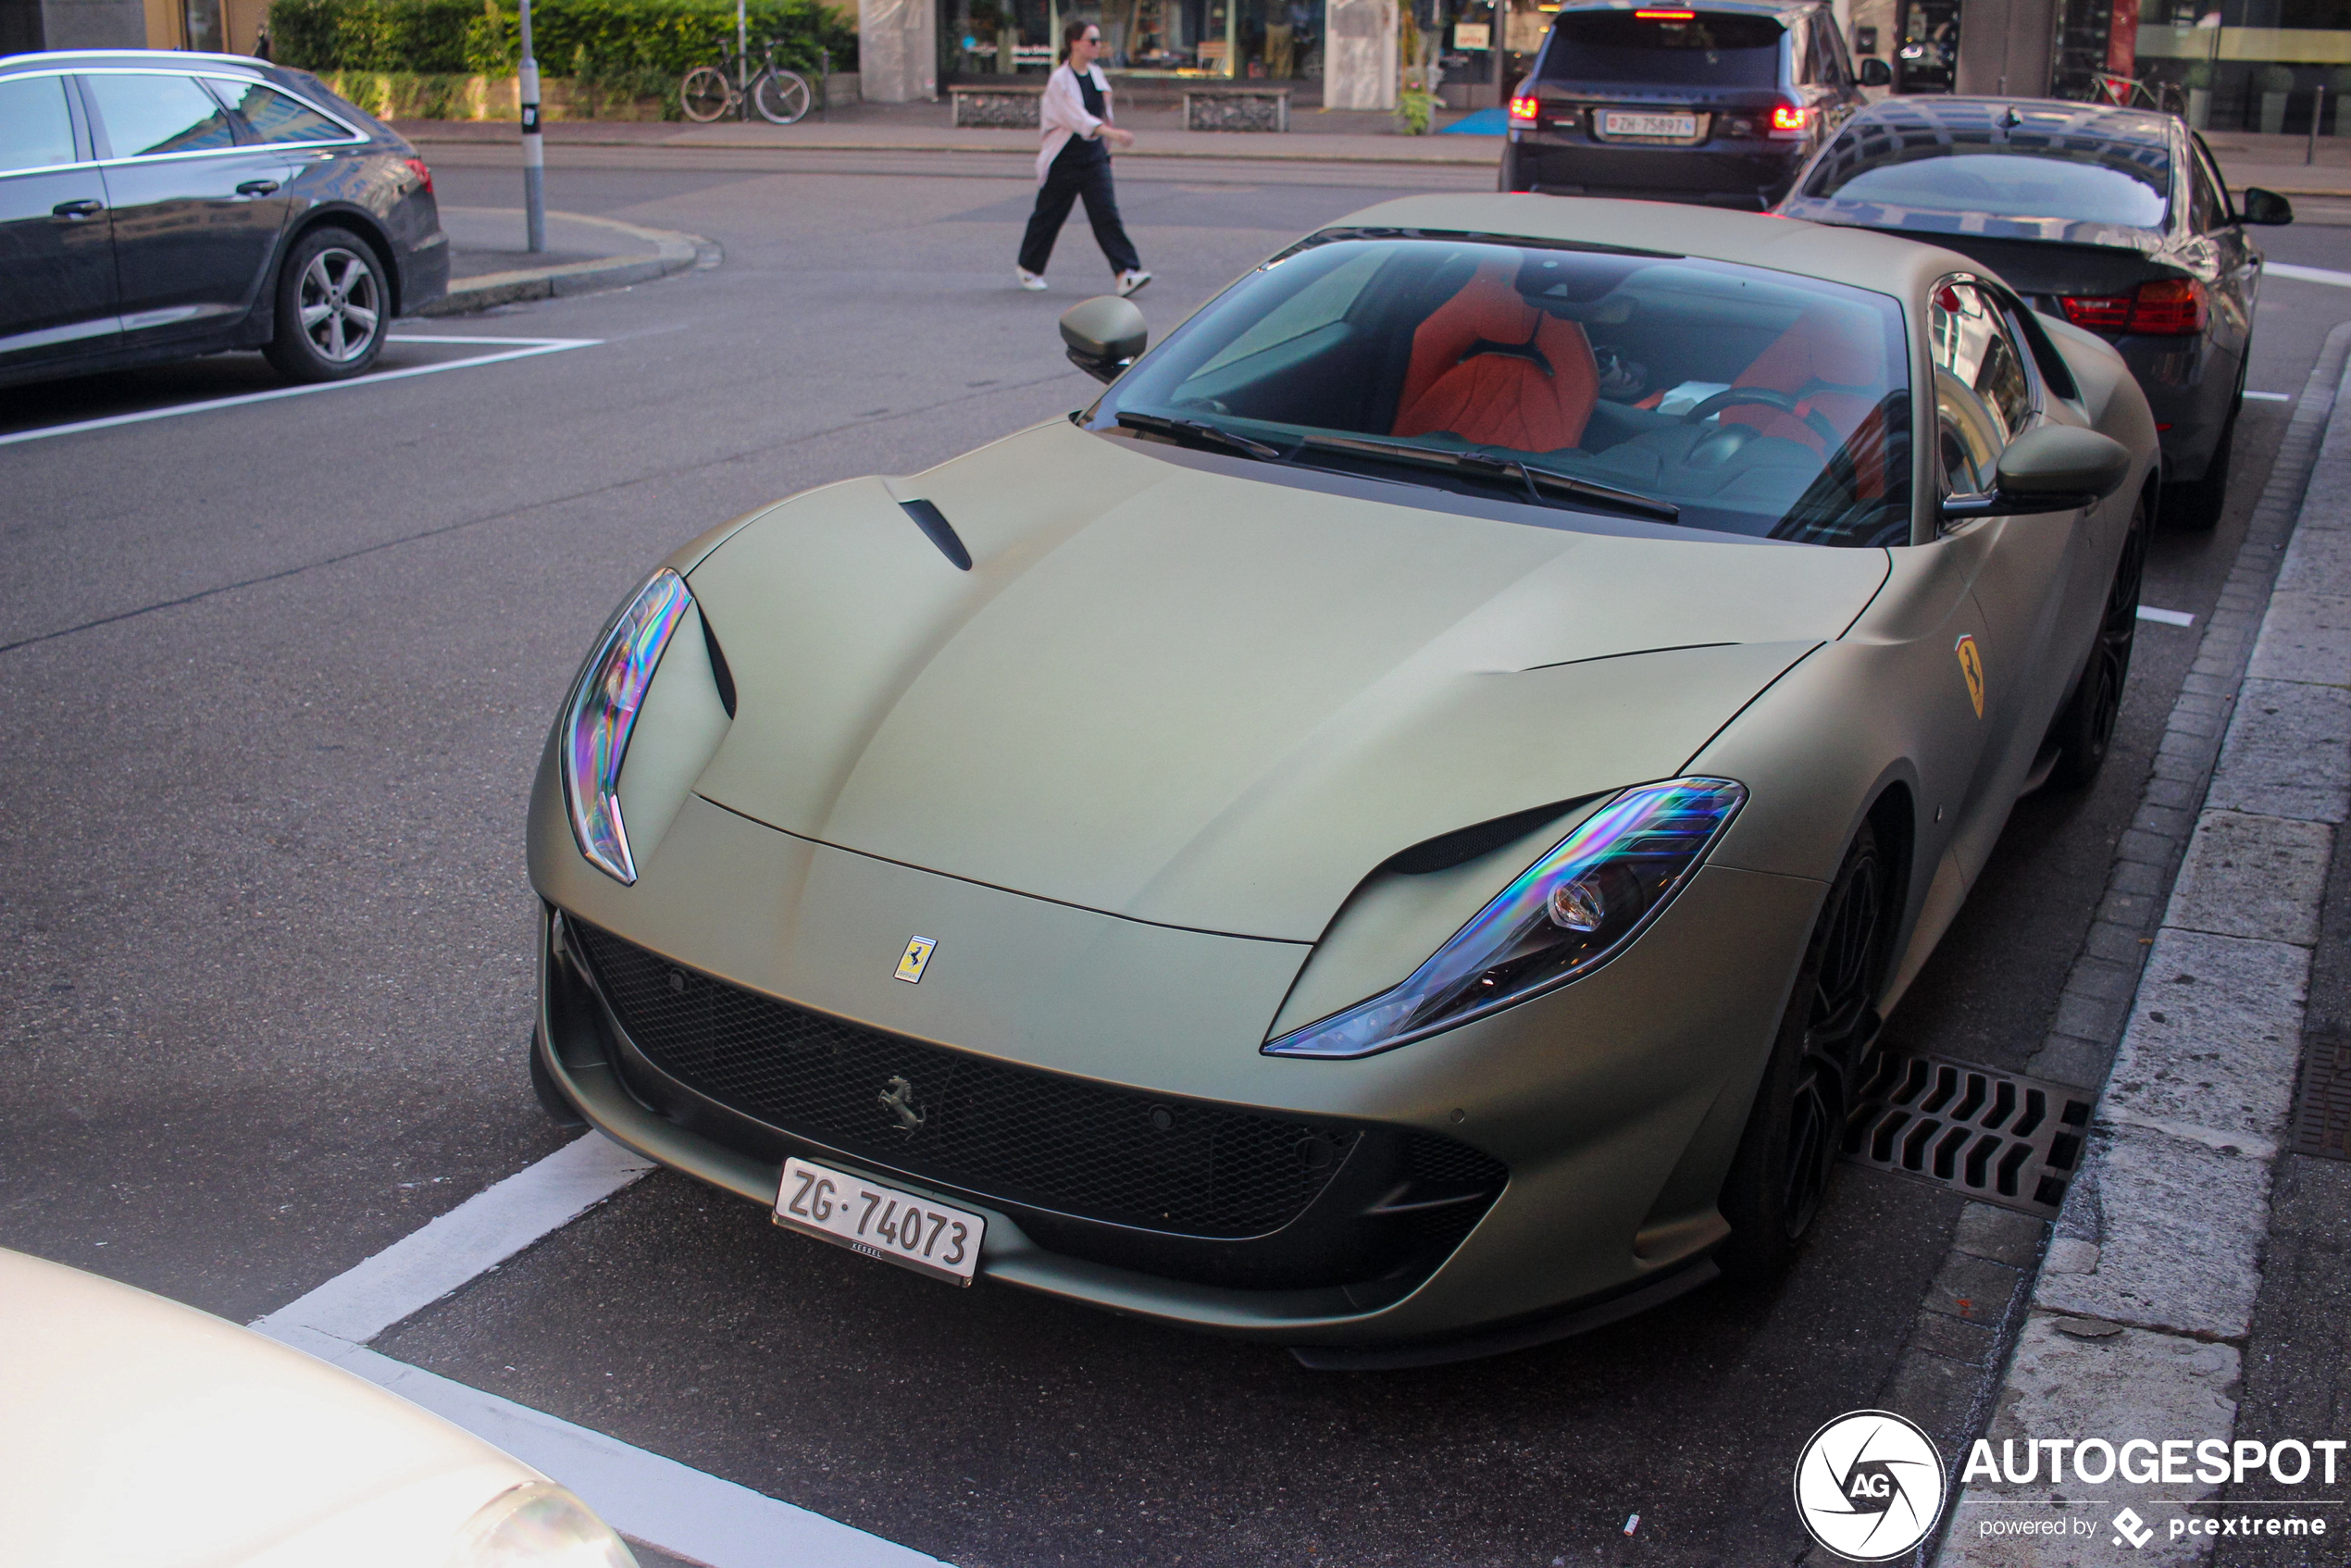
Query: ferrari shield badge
point(916, 958)
point(1971, 665)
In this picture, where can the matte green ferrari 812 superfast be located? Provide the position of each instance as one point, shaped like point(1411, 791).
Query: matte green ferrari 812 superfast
point(1392, 832)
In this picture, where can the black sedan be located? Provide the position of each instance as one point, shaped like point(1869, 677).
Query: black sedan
point(2116, 221)
point(158, 206)
point(1718, 105)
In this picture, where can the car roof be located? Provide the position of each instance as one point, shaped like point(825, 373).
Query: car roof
point(2044, 116)
point(67, 59)
point(1861, 258)
point(1779, 9)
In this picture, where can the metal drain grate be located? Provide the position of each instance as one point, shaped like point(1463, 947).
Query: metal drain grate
point(2322, 1100)
point(1996, 1137)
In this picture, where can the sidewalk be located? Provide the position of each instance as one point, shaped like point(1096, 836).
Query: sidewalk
point(490, 264)
point(2192, 1290)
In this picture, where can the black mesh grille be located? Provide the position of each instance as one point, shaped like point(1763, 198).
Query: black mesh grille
point(1129, 1158)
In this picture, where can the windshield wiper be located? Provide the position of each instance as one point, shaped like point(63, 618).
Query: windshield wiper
point(1202, 430)
point(1537, 479)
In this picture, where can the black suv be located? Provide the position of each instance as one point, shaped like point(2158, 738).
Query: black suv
point(1720, 105)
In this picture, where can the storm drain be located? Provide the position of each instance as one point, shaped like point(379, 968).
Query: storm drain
point(2322, 1101)
point(1996, 1137)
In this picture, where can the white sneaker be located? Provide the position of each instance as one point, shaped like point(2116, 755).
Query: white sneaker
point(1132, 280)
point(1030, 280)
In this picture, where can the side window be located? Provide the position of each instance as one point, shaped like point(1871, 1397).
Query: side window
point(1320, 303)
point(2207, 197)
point(36, 129)
point(274, 118)
point(147, 113)
point(1981, 391)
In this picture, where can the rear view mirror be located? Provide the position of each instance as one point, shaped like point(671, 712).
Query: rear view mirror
point(1876, 72)
point(1104, 335)
point(2264, 207)
point(2053, 469)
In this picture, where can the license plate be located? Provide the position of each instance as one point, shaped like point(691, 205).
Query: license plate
point(1621, 122)
point(881, 1222)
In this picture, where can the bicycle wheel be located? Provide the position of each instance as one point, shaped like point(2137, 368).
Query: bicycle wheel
point(703, 95)
point(779, 96)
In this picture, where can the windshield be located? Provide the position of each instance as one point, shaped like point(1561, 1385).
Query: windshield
point(2094, 184)
point(1658, 387)
point(1666, 48)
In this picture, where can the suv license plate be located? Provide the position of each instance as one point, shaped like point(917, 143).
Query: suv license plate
point(1617, 122)
point(881, 1222)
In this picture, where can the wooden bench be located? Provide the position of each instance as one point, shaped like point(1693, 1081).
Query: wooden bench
point(1237, 108)
point(997, 108)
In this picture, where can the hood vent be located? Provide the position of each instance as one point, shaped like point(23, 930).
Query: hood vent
point(940, 531)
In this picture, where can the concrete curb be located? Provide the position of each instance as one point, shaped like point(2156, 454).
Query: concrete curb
point(674, 253)
point(2136, 1323)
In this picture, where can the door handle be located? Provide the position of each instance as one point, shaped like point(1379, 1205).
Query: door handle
point(78, 209)
point(256, 187)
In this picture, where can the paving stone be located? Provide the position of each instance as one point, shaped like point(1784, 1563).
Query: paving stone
point(2088, 1016)
point(1970, 1344)
point(2069, 1059)
point(2253, 876)
point(2182, 1225)
point(2111, 982)
point(2137, 876)
point(2305, 636)
point(2214, 1037)
point(2002, 1234)
point(2288, 753)
point(1938, 1392)
point(2096, 1384)
point(1977, 1289)
point(2116, 944)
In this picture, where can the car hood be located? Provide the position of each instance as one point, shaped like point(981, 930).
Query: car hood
point(1204, 693)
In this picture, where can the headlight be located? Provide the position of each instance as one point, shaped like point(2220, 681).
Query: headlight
point(1570, 912)
point(538, 1525)
point(604, 711)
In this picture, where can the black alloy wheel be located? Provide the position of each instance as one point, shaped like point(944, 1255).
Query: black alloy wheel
point(1780, 1175)
point(2083, 729)
point(333, 307)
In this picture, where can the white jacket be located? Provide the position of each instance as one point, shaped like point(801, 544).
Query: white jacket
point(1061, 112)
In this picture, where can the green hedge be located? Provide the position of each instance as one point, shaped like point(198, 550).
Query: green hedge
point(641, 45)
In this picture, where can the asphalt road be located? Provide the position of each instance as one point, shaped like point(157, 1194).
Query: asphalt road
point(276, 677)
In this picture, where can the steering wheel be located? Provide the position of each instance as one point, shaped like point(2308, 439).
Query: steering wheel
point(1770, 397)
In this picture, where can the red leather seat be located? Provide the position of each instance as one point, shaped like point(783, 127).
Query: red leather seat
point(1833, 364)
point(1458, 384)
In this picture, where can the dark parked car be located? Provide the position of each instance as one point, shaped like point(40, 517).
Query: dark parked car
point(2114, 219)
point(157, 206)
point(1720, 105)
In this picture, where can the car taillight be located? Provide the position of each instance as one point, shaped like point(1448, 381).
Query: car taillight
point(1666, 15)
point(1525, 110)
point(1789, 119)
point(2170, 307)
point(2161, 307)
point(424, 175)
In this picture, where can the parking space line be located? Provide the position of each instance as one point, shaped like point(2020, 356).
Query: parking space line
point(516, 348)
point(2271, 397)
point(2166, 617)
point(2308, 274)
point(672, 1506)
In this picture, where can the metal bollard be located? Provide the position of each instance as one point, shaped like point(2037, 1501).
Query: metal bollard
point(2318, 116)
point(534, 154)
point(825, 84)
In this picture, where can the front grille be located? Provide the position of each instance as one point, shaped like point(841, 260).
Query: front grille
point(1062, 1144)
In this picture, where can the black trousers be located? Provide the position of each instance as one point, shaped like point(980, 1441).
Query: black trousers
point(1065, 182)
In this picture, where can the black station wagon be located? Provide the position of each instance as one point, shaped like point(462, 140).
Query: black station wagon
point(1720, 104)
point(157, 206)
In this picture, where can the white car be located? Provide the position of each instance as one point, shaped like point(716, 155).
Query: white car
point(138, 1433)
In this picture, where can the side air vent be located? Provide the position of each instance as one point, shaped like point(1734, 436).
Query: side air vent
point(940, 531)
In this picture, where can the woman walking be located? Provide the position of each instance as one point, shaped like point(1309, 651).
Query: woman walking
point(1073, 163)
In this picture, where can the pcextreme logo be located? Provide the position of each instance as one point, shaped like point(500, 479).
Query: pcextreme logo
point(1868, 1486)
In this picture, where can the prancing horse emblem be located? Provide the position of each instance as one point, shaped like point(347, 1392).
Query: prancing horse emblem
point(897, 1097)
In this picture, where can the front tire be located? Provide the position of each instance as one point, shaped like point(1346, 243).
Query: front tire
point(1780, 1175)
point(704, 95)
point(332, 308)
point(780, 96)
point(2083, 730)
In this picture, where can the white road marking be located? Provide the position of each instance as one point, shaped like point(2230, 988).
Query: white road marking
point(2308, 274)
point(2168, 618)
point(658, 1500)
point(529, 348)
point(2271, 397)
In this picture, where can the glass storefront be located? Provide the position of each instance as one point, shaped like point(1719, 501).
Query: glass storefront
point(1224, 40)
point(2230, 65)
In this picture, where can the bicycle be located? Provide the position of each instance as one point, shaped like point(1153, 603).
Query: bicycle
point(778, 93)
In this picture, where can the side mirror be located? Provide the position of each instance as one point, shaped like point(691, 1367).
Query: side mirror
point(1104, 335)
point(1876, 72)
point(2053, 469)
point(2264, 207)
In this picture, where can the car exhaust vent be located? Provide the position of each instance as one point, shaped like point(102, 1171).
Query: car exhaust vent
point(1996, 1137)
point(2322, 1101)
